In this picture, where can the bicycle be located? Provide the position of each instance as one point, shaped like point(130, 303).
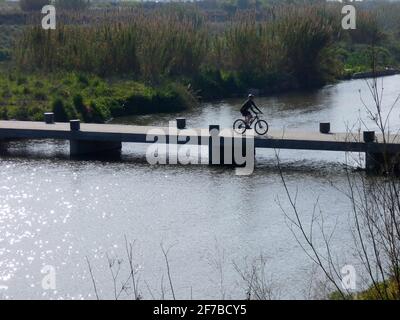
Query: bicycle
point(260, 125)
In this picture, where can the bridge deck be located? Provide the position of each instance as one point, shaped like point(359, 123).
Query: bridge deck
point(146, 134)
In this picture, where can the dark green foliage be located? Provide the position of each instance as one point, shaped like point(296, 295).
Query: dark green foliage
point(3, 113)
point(33, 5)
point(4, 55)
point(284, 47)
point(215, 83)
point(98, 112)
point(72, 4)
point(86, 97)
point(81, 108)
point(59, 109)
point(174, 44)
point(8, 34)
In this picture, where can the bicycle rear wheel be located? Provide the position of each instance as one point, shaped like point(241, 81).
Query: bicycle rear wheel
point(261, 127)
point(239, 126)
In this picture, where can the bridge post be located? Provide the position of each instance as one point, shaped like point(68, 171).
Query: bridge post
point(181, 123)
point(49, 117)
point(75, 125)
point(88, 147)
point(374, 161)
point(382, 162)
point(3, 146)
point(379, 162)
point(325, 127)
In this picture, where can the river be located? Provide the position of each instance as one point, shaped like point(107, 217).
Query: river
point(57, 212)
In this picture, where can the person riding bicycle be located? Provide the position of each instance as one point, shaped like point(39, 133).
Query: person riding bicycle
point(248, 106)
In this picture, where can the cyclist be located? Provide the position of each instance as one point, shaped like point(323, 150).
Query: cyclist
point(248, 106)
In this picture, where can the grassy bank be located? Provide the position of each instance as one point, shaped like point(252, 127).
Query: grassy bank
point(388, 290)
point(217, 49)
point(89, 98)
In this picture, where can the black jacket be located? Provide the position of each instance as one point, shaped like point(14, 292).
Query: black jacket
point(248, 105)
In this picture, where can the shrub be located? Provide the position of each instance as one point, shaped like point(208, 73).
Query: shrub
point(4, 55)
point(39, 95)
point(3, 113)
point(19, 112)
point(80, 107)
point(72, 4)
point(33, 5)
point(60, 113)
point(99, 112)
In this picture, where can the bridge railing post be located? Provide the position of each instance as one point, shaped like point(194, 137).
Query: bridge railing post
point(49, 117)
point(3, 146)
point(325, 127)
point(369, 136)
point(374, 161)
point(78, 147)
point(75, 125)
point(181, 123)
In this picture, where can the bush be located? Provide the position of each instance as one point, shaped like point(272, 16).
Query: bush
point(4, 55)
point(72, 4)
point(19, 113)
point(3, 113)
point(98, 101)
point(32, 5)
point(80, 107)
point(172, 97)
point(60, 114)
point(38, 95)
point(99, 112)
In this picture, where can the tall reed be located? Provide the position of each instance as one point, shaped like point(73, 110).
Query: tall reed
point(285, 41)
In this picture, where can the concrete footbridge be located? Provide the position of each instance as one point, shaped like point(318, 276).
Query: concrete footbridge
point(101, 138)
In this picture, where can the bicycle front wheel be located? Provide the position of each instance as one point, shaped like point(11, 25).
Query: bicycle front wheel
point(261, 127)
point(239, 126)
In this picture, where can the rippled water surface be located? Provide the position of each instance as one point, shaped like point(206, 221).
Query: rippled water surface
point(58, 212)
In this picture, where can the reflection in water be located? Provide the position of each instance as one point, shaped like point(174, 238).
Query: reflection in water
point(55, 211)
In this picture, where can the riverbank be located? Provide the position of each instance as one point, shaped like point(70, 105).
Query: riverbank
point(89, 98)
point(163, 58)
point(378, 73)
point(92, 99)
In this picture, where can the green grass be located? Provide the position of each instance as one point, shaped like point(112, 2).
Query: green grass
point(90, 98)
point(357, 58)
point(160, 49)
point(382, 291)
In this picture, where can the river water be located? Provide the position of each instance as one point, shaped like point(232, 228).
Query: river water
point(56, 213)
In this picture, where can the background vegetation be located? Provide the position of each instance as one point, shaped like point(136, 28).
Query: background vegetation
point(89, 98)
point(209, 49)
